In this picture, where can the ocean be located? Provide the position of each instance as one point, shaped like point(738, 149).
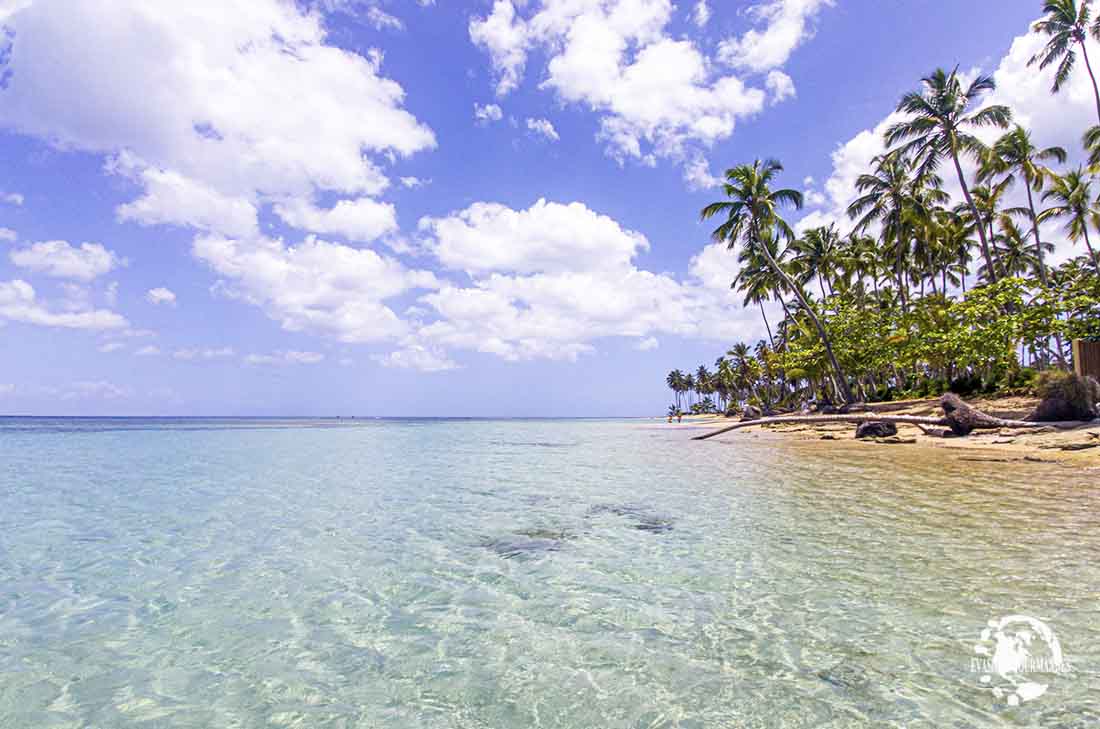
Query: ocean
point(251, 573)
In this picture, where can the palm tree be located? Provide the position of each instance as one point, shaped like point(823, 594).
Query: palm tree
point(1072, 195)
point(757, 280)
point(817, 254)
point(1015, 153)
point(752, 209)
point(1014, 254)
point(939, 126)
point(675, 382)
point(1066, 24)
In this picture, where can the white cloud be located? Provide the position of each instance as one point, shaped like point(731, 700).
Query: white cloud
point(486, 113)
point(656, 95)
point(361, 220)
point(58, 259)
point(548, 237)
point(290, 357)
point(413, 182)
point(204, 354)
point(544, 128)
point(99, 390)
point(11, 198)
point(551, 280)
point(780, 86)
point(19, 302)
point(786, 26)
point(220, 108)
point(382, 20)
point(148, 350)
point(505, 37)
point(701, 14)
point(316, 285)
point(417, 357)
point(7, 234)
point(6, 389)
point(108, 347)
point(697, 174)
point(646, 345)
point(160, 295)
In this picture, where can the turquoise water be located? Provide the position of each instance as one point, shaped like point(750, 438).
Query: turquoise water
point(496, 574)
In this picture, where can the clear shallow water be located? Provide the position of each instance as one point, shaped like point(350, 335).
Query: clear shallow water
point(506, 574)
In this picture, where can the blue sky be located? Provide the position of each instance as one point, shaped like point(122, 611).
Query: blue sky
point(263, 208)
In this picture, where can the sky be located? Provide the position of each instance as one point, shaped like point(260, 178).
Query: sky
point(429, 208)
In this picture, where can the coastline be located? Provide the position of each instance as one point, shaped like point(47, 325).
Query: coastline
point(1077, 448)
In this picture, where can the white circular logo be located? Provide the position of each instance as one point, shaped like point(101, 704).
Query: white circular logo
point(1014, 653)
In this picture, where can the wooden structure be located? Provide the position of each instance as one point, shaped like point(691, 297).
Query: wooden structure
point(1086, 358)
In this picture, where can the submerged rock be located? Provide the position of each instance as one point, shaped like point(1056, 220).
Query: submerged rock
point(519, 546)
point(644, 519)
point(876, 430)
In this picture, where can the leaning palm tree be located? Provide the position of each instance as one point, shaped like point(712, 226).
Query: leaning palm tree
point(1066, 25)
point(758, 282)
point(1013, 154)
point(939, 127)
point(1072, 197)
point(753, 209)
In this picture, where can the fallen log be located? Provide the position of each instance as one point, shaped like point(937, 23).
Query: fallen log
point(960, 418)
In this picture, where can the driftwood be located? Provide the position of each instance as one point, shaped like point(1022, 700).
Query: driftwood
point(959, 417)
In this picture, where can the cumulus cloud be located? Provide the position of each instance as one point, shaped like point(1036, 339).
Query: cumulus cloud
point(647, 344)
point(544, 128)
point(656, 95)
point(316, 285)
point(785, 25)
point(9, 235)
point(19, 302)
point(220, 108)
point(548, 237)
point(160, 295)
point(99, 390)
point(58, 259)
point(486, 113)
point(148, 350)
point(108, 347)
point(361, 220)
point(549, 281)
point(289, 357)
point(780, 86)
point(11, 198)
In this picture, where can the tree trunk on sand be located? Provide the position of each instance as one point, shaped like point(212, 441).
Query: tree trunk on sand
point(959, 417)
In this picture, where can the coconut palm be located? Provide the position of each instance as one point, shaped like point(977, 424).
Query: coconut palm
point(817, 254)
point(1071, 194)
point(753, 208)
point(1012, 154)
point(939, 127)
point(1066, 25)
point(1015, 256)
point(757, 281)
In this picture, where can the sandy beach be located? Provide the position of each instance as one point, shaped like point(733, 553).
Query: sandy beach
point(1079, 447)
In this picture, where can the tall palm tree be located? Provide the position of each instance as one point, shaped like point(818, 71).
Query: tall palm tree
point(757, 281)
point(939, 127)
point(1066, 24)
point(1014, 153)
point(1072, 197)
point(675, 382)
point(752, 209)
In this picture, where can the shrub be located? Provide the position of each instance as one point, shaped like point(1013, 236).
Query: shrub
point(1065, 396)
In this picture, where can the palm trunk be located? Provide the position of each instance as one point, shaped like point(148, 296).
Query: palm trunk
point(977, 217)
point(841, 381)
point(764, 316)
point(1095, 90)
point(1035, 230)
point(1092, 253)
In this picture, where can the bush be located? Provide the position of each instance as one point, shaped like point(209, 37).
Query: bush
point(1065, 396)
